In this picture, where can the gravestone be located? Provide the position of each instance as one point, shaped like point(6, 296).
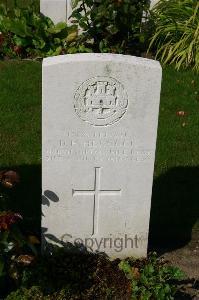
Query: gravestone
point(153, 2)
point(56, 10)
point(100, 116)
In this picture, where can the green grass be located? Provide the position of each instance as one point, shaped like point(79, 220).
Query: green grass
point(20, 135)
point(178, 139)
point(175, 205)
point(20, 110)
point(176, 179)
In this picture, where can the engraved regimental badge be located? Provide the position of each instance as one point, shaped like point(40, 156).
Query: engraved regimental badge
point(101, 101)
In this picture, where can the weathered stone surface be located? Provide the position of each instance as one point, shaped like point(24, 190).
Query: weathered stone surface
point(56, 10)
point(100, 115)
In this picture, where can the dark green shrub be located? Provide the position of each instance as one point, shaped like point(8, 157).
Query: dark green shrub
point(34, 4)
point(26, 294)
point(35, 293)
point(108, 26)
point(85, 276)
point(176, 36)
point(151, 279)
point(25, 33)
point(114, 26)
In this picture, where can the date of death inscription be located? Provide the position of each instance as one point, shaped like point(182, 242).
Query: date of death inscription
point(101, 146)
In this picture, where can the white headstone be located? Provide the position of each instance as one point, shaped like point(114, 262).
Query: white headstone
point(56, 10)
point(69, 9)
point(153, 2)
point(100, 116)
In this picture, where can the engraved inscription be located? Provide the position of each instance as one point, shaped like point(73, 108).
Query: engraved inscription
point(97, 147)
point(101, 101)
point(96, 192)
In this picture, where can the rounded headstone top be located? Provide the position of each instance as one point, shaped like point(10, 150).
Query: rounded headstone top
point(108, 57)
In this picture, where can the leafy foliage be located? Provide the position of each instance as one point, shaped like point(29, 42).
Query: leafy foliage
point(106, 26)
point(12, 242)
point(34, 4)
point(25, 33)
point(114, 26)
point(151, 280)
point(88, 276)
point(176, 36)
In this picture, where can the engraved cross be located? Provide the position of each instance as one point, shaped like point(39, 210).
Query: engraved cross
point(96, 192)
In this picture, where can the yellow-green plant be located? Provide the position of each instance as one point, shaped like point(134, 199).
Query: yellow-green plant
point(176, 37)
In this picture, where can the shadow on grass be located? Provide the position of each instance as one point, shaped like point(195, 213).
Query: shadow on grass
point(174, 209)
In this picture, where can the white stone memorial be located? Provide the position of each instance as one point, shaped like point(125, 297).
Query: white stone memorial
point(56, 10)
point(153, 2)
point(100, 116)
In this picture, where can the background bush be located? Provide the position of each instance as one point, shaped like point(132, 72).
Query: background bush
point(114, 26)
point(106, 26)
point(176, 37)
point(25, 33)
point(34, 4)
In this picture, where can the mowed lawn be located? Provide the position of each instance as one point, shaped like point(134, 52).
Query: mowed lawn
point(176, 178)
point(20, 113)
point(20, 136)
